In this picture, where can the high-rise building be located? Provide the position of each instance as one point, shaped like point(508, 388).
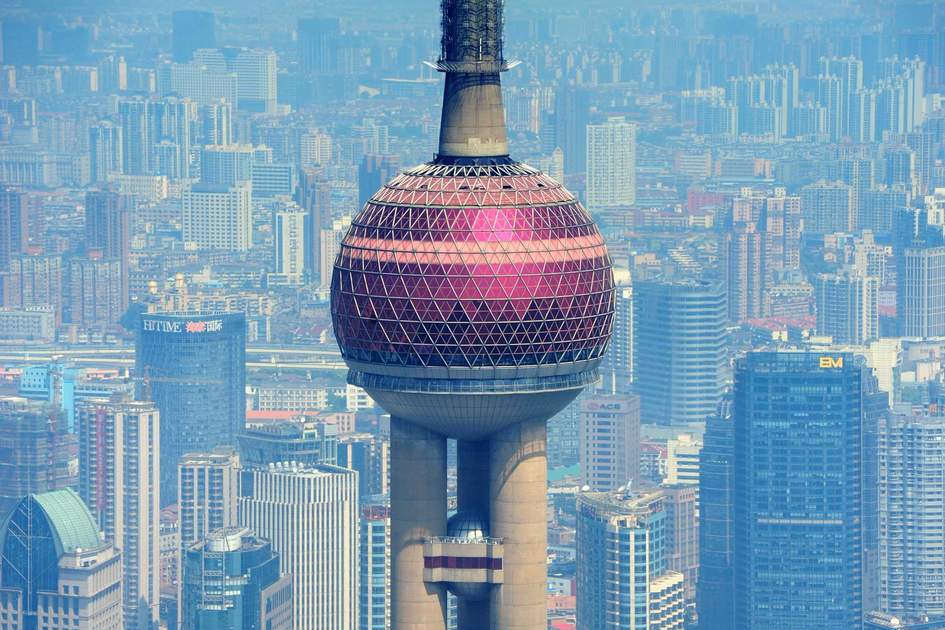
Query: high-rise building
point(571, 117)
point(622, 578)
point(314, 196)
point(682, 460)
point(318, 44)
point(609, 442)
point(847, 307)
point(803, 425)
point(207, 493)
point(680, 354)
point(828, 207)
point(55, 571)
point(744, 253)
point(920, 291)
point(172, 125)
point(715, 592)
point(36, 451)
point(617, 368)
point(108, 228)
point(306, 442)
point(451, 350)
point(14, 225)
point(193, 366)
point(255, 78)
point(119, 468)
point(310, 514)
point(681, 540)
point(912, 510)
point(192, 30)
point(370, 456)
point(288, 233)
point(105, 151)
point(374, 171)
point(137, 137)
point(95, 293)
point(611, 164)
point(35, 281)
point(216, 123)
point(232, 581)
point(218, 216)
point(374, 583)
point(227, 165)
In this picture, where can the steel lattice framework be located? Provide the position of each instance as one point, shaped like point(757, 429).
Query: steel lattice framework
point(472, 30)
point(473, 266)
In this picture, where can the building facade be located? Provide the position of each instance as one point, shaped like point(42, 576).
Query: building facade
point(611, 164)
point(609, 442)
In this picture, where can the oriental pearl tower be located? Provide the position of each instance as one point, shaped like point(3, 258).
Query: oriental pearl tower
point(473, 298)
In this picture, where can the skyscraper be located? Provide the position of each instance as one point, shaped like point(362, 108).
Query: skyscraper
point(310, 514)
point(105, 151)
point(208, 490)
point(318, 44)
point(193, 366)
point(828, 207)
point(609, 442)
point(314, 196)
point(137, 136)
point(920, 291)
point(95, 293)
point(288, 231)
point(218, 216)
point(35, 450)
point(108, 228)
point(471, 306)
point(255, 78)
point(847, 307)
point(119, 468)
point(306, 442)
point(803, 422)
point(679, 347)
point(571, 117)
point(55, 571)
point(374, 565)
point(611, 164)
point(622, 579)
point(232, 581)
point(617, 368)
point(681, 548)
point(14, 225)
point(715, 592)
point(374, 171)
point(192, 30)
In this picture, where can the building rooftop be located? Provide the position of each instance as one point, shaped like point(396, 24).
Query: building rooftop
point(69, 519)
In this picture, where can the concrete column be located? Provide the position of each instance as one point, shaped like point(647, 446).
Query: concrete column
point(473, 119)
point(418, 510)
point(473, 496)
point(518, 488)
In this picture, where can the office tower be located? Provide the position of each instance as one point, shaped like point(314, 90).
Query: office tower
point(847, 307)
point(207, 493)
point(192, 30)
point(318, 44)
point(611, 164)
point(95, 293)
point(226, 165)
point(912, 510)
point(920, 291)
point(715, 592)
point(374, 565)
point(526, 344)
point(34, 281)
point(232, 580)
point(306, 442)
point(255, 78)
point(682, 460)
point(108, 229)
point(56, 573)
point(216, 123)
point(218, 216)
point(571, 117)
point(310, 514)
point(36, 452)
point(119, 468)
point(375, 171)
point(105, 151)
point(370, 456)
point(622, 578)
point(801, 419)
point(314, 196)
point(193, 366)
point(14, 225)
point(617, 368)
point(679, 349)
point(288, 232)
point(137, 137)
point(827, 207)
point(609, 442)
point(681, 502)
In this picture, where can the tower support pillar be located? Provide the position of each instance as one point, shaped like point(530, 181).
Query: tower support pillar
point(418, 511)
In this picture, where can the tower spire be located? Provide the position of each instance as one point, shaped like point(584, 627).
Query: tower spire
point(473, 121)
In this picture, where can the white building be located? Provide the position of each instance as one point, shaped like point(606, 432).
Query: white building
point(330, 243)
point(311, 516)
point(218, 217)
point(119, 469)
point(611, 164)
point(682, 460)
point(288, 235)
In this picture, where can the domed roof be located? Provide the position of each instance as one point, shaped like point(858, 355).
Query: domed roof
point(473, 266)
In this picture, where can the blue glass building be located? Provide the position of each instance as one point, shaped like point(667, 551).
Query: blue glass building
point(803, 424)
point(193, 366)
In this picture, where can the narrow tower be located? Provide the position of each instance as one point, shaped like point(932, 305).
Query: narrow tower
point(473, 298)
